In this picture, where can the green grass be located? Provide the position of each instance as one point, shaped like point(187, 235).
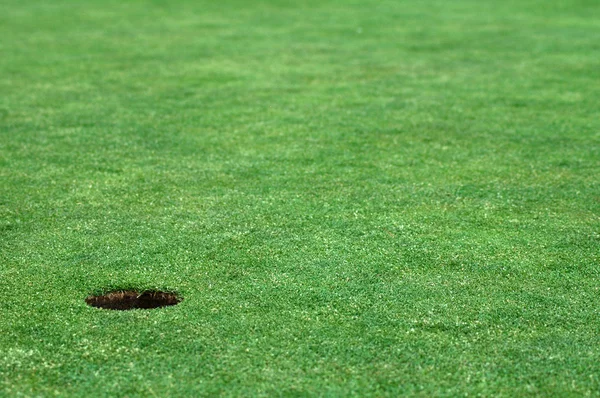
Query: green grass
point(354, 198)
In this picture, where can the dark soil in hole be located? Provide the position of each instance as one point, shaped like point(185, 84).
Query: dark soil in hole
point(131, 299)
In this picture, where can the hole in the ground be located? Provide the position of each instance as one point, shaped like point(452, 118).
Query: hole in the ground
point(131, 300)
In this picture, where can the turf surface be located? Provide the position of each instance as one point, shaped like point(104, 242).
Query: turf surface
point(365, 198)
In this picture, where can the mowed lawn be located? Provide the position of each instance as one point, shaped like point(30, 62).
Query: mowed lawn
point(354, 198)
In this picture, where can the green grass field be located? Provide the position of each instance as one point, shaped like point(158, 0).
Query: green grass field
point(354, 198)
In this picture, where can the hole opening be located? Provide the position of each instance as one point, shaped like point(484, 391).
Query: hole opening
point(124, 300)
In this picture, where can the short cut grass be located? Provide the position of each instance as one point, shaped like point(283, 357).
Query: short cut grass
point(354, 198)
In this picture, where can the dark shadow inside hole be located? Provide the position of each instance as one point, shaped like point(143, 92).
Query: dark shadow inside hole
point(130, 299)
